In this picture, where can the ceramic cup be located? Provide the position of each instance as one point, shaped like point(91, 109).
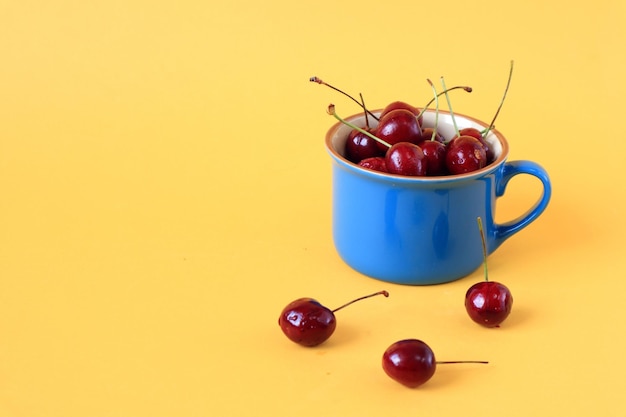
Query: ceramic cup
point(423, 230)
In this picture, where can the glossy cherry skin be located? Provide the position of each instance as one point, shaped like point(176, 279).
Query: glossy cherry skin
point(407, 159)
point(435, 153)
point(400, 105)
point(398, 125)
point(465, 154)
point(427, 134)
point(410, 362)
point(471, 131)
point(488, 303)
point(306, 322)
point(359, 146)
point(376, 163)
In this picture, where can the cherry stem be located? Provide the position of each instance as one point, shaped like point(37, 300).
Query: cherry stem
point(464, 87)
point(385, 293)
point(432, 100)
point(367, 120)
point(456, 129)
point(320, 81)
point(482, 238)
point(508, 82)
point(331, 111)
point(436, 99)
point(451, 362)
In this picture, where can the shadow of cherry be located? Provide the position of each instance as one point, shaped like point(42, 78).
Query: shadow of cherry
point(449, 374)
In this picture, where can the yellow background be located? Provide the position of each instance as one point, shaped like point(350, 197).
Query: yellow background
point(165, 192)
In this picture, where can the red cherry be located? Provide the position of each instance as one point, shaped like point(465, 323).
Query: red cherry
point(401, 105)
point(471, 131)
point(435, 153)
point(308, 323)
point(411, 362)
point(427, 134)
point(406, 158)
point(375, 164)
point(398, 126)
point(360, 146)
point(488, 303)
point(433, 143)
point(465, 154)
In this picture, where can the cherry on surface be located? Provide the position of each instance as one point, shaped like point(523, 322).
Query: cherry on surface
point(488, 303)
point(411, 362)
point(308, 323)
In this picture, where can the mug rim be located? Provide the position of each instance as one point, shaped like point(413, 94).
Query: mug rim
point(339, 158)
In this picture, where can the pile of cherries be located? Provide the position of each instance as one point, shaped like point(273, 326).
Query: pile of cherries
point(400, 144)
point(406, 147)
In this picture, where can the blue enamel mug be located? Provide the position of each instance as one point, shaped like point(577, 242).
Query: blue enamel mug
point(423, 230)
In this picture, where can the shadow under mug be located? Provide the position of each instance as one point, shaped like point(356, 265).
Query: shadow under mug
point(423, 230)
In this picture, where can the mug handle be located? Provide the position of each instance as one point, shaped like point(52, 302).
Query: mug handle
point(511, 169)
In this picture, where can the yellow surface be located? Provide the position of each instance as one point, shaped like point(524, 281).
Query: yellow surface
point(164, 192)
